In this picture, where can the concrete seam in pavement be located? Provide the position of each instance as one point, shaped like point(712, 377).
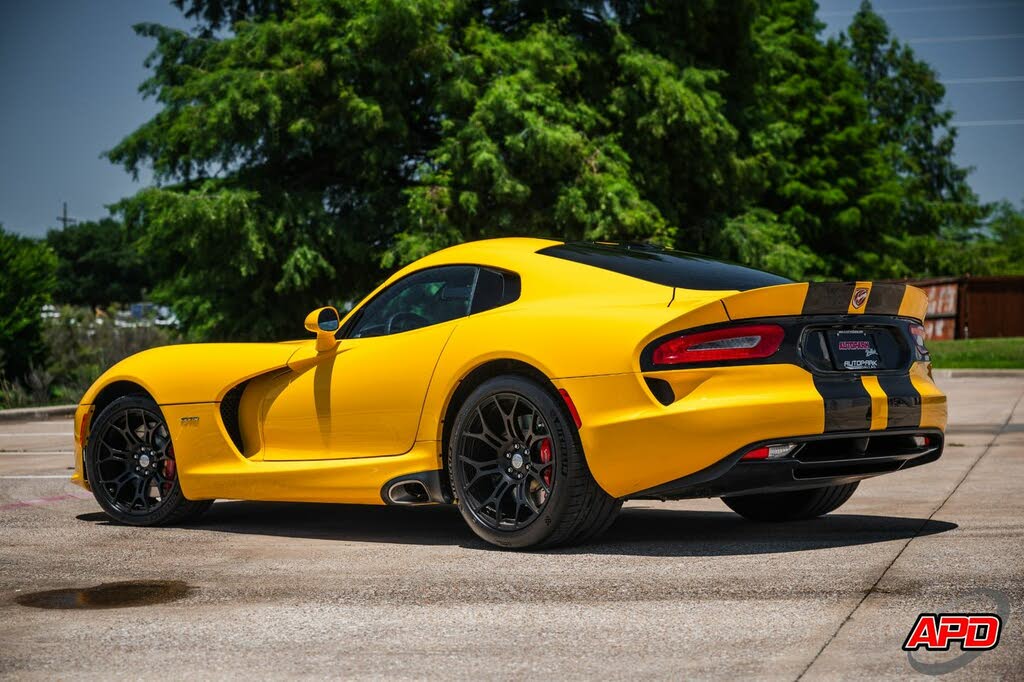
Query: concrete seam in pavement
point(917, 533)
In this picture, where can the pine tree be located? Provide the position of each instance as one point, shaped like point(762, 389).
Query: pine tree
point(305, 148)
point(824, 173)
point(905, 100)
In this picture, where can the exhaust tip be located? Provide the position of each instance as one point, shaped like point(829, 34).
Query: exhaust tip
point(425, 487)
point(408, 492)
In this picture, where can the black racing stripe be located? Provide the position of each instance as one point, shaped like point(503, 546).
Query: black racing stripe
point(847, 403)
point(904, 401)
point(825, 298)
point(885, 299)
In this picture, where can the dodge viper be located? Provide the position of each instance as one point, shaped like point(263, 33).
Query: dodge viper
point(536, 385)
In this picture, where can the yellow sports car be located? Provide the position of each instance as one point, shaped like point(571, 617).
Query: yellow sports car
point(537, 385)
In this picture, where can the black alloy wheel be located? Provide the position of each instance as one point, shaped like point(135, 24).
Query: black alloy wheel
point(134, 462)
point(507, 462)
point(517, 468)
point(131, 468)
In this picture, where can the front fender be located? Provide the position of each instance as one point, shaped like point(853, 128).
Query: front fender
point(195, 373)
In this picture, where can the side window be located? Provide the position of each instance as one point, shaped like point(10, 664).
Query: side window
point(419, 300)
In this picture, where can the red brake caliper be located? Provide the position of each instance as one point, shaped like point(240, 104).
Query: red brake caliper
point(169, 469)
point(545, 458)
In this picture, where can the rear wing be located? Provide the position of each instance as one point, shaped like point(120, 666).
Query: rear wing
point(828, 298)
point(794, 300)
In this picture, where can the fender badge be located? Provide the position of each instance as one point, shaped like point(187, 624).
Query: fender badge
point(860, 296)
point(189, 421)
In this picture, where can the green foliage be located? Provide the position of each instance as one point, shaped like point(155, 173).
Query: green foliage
point(995, 247)
point(81, 346)
point(76, 348)
point(291, 144)
point(1005, 241)
point(758, 239)
point(97, 264)
point(525, 149)
point(32, 390)
point(825, 174)
point(218, 14)
point(905, 101)
point(305, 148)
point(27, 279)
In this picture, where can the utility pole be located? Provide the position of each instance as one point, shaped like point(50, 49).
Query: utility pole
point(64, 220)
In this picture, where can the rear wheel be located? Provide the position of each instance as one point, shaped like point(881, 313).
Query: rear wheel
point(793, 505)
point(518, 471)
point(131, 468)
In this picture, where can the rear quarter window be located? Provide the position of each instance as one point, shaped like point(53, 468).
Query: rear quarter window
point(495, 288)
point(665, 266)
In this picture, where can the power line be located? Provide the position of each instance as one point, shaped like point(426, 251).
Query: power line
point(982, 79)
point(988, 124)
point(928, 9)
point(966, 39)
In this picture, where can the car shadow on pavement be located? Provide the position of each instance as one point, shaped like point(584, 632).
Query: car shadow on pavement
point(672, 532)
point(638, 531)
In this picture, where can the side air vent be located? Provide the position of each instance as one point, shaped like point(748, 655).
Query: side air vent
point(229, 415)
point(661, 389)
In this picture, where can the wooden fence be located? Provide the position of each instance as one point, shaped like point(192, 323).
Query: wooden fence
point(973, 307)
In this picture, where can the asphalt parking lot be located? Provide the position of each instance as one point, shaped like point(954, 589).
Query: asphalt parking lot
point(674, 590)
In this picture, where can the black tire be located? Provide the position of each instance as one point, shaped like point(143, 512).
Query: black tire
point(793, 505)
point(545, 499)
point(129, 462)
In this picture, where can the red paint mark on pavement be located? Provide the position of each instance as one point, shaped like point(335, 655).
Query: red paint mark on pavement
point(42, 500)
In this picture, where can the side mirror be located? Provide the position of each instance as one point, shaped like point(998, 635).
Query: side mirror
point(324, 322)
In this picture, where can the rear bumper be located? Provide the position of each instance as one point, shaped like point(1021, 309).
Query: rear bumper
point(636, 441)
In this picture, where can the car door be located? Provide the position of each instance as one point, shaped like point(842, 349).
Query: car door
point(365, 398)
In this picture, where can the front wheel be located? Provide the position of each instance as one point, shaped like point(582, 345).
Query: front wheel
point(518, 471)
point(793, 505)
point(130, 465)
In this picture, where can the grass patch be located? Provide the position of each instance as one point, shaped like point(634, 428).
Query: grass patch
point(1005, 353)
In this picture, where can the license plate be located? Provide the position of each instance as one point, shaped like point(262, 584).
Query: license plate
point(854, 349)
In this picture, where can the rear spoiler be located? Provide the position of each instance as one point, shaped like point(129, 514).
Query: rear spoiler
point(788, 300)
point(828, 298)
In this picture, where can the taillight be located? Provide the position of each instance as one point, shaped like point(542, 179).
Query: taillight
point(918, 332)
point(747, 342)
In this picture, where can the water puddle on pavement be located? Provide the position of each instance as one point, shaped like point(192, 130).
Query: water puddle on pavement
point(108, 595)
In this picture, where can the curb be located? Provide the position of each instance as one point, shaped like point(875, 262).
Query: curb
point(37, 413)
point(978, 373)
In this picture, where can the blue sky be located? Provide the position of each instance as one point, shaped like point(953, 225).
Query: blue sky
point(70, 70)
point(977, 48)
